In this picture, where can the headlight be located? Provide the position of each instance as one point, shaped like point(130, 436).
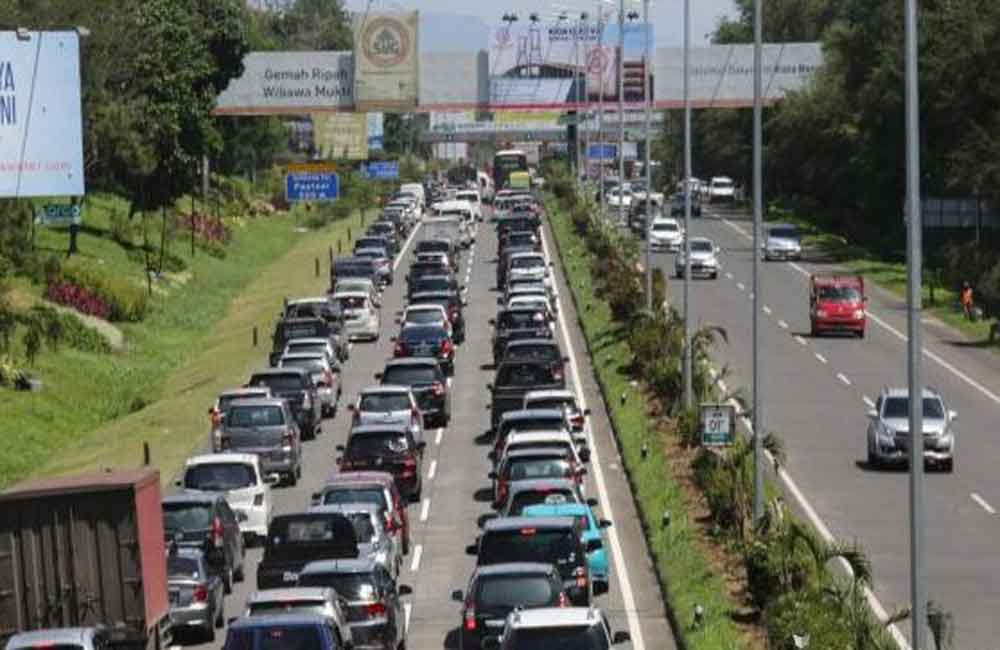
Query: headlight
point(859, 314)
point(820, 313)
point(710, 261)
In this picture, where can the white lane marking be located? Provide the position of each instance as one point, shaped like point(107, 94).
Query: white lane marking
point(729, 276)
point(402, 252)
point(820, 358)
point(407, 608)
point(722, 385)
point(418, 551)
point(767, 310)
point(750, 295)
point(628, 599)
point(437, 437)
point(842, 377)
point(801, 340)
point(433, 470)
point(868, 401)
point(982, 502)
point(425, 508)
point(739, 285)
point(782, 324)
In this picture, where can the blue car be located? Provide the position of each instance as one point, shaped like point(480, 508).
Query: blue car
point(597, 556)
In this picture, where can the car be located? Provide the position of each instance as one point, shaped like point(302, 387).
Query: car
point(473, 199)
point(537, 349)
point(564, 399)
point(532, 301)
point(549, 540)
point(518, 440)
point(374, 541)
point(677, 204)
point(532, 491)
point(597, 555)
point(783, 242)
point(721, 189)
point(63, 638)
point(437, 257)
point(206, 522)
point(240, 479)
point(364, 285)
point(354, 267)
point(665, 234)
point(382, 259)
point(496, 590)
point(295, 386)
point(315, 346)
point(217, 413)
point(294, 540)
point(533, 463)
point(289, 329)
point(388, 230)
point(325, 375)
point(385, 448)
point(532, 287)
point(524, 239)
point(376, 242)
point(362, 320)
point(580, 628)
point(889, 429)
point(373, 599)
point(426, 341)
point(527, 265)
point(428, 382)
point(322, 601)
point(515, 378)
point(522, 420)
point(619, 197)
point(312, 631)
point(436, 245)
point(196, 595)
point(418, 270)
point(370, 487)
point(837, 304)
point(266, 428)
point(452, 303)
point(521, 318)
point(388, 405)
point(445, 282)
point(704, 259)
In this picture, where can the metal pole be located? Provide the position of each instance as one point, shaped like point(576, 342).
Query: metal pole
point(585, 100)
point(577, 82)
point(758, 416)
point(621, 111)
point(649, 175)
point(688, 390)
point(918, 569)
point(575, 158)
point(600, 106)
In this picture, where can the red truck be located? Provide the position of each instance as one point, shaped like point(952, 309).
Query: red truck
point(837, 304)
point(85, 551)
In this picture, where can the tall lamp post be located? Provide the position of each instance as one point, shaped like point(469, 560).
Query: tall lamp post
point(758, 203)
point(686, 369)
point(621, 111)
point(600, 106)
point(647, 93)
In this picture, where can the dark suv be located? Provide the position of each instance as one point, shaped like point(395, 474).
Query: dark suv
point(519, 318)
point(308, 327)
point(386, 448)
point(294, 385)
point(297, 539)
point(425, 377)
point(207, 523)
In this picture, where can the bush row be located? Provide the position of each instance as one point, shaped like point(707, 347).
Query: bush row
point(125, 300)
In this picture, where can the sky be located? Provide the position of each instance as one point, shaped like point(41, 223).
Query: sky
point(465, 24)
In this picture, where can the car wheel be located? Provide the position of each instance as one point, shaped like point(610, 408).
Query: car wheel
point(220, 619)
point(948, 466)
point(861, 334)
point(293, 478)
point(872, 458)
point(239, 575)
point(227, 581)
point(208, 632)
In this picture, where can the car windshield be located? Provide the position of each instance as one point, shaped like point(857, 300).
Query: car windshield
point(527, 545)
point(839, 294)
point(422, 334)
point(382, 403)
point(312, 364)
point(254, 416)
point(186, 516)
point(410, 375)
point(527, 498)
point(377, 444)
point(899, 407)
point(287, 607)
point(521, 318)
point(183, 567)
point(278, 383)
point(665, 226)
point(219, 476)
point(431, 284)
point(355, 495)
point(351, 302)
point(521, 239)
point(527, 262)
point(507, 592)
point(575, 637)
point(785, 233)
point(524, 374)
point(351, 586)
point(701, 246)
point(532, 468)
point(364, 529)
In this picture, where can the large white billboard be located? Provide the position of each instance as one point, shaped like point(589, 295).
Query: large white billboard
point(41, 132)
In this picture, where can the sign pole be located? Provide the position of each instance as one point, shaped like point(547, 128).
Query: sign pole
point(758, 415)
point(649, 174)
point(600, 103)
point(621, 111)
point(688, 397)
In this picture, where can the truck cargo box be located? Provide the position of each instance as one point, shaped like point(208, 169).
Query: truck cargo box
point(83, 551)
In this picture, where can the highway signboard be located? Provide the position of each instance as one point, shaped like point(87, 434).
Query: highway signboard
point(382, 170)
point(718, 425)
point(58, 214)
point(311, 186)
point(602, 152)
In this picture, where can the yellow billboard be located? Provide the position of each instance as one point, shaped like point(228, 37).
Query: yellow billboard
point(341, 136)
point(385, 61)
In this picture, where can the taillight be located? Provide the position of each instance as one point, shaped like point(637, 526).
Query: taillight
point(288, 438)
point(563, 600)
point(400, 349)
point(445, 349)
point(390, 526)
point(452, 312)
point(469, 616)
point(223, 441)
point(216, 417)
point(217, 532)
point(501, 491)
point(577, 420)
point(437, 388)
point(581, 577)
point(374, 610)
point(415, 413)
point(557, 372)
point(200, 594)
point(328, 376)
point(258, 500)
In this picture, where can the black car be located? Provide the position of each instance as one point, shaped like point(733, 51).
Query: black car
point(386, 229)
point(386, 448)
point(436, 245)
point(514, 379)
point(427, 380)
point(426, 340)
point(677, 205)
point(523, 239)
point(537, 349)
point(308, 327)
point(354, 267)
point(519, 318)
point(294, 385)
point(207, 523)
point(496, 590)
point(297, 539)
point(518, 221)
point(452, 303)
point(426, 283)
point(421, 269)
point(375, 241)
point(503, 262)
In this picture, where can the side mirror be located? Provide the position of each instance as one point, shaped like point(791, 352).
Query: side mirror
point(621, 636)
point(601, 588)
point(604, 523)
point(393, 338)
point(592, 502)
point(340, 448)
point(421, 445)
point(952, 415)
point(586, 413)
point(565, 359)
point(231, 620)
point(489, 387)
point(492, 321)
point(178, 482)
point(872, 413)
point(404, 590)
point(315, 498)
point(491, 455)
point(582, 471)
point(351, 408)
point(274, 479)
point(457, 595)
point(378, 376)
point(584, 454)
point(472, 549)
point(211, 411)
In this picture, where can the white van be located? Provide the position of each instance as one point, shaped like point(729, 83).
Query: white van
point(475, 202)
point(417, 189)
point(721, 189)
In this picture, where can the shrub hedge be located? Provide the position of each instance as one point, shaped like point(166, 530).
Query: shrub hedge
point(126, 300)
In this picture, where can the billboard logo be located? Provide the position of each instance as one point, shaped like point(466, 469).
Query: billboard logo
point(8, 100)
point(386, 42)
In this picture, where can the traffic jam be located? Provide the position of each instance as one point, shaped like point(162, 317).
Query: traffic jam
point(315, 491)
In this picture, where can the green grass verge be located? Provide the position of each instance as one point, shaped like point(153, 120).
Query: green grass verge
point(684, 572)
point(96, 410)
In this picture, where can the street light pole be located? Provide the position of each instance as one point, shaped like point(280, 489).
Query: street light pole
point(582, 98)
point(918, 570)
point(688, 389)
point(621, 111)
point(758, 416)
point(600, 105)
point(647, 92)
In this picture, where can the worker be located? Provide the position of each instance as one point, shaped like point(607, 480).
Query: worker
point(965, 299)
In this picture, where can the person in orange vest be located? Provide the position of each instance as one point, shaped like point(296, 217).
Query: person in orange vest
point(965, 299)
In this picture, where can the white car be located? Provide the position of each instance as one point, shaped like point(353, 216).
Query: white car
point(325, 374)
point(721, 189)
point(526, 287)
point(783, 243)
point(536, 301)
point(615, 196)
point(528, 266)
point(665, 233)
point(238, 477)
point(524, 627)
point(474, 201)
point(426, 314)
point(561, 399)
point(361, 316)
point(704, 259)
point(537, 439)
point(347, 285)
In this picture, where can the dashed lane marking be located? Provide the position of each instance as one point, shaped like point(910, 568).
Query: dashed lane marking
point(820, 358)
point(982, 502)
point(418, 551)
point(842, 377)
point(425, 509)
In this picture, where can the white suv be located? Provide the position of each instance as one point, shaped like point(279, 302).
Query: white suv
point(721, 189)
point(580, 628)
point(238, 477)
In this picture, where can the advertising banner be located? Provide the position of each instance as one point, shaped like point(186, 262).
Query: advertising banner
point(385, 61)
point(276, 83)
point(376, 131)
point(41, 131)
point(343, 136)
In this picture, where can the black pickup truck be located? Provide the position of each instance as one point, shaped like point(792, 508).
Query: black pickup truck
point(514, 379)
point(298, 539)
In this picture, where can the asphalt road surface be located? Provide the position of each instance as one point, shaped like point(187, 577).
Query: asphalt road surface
point(815, 393)
point(455, 474)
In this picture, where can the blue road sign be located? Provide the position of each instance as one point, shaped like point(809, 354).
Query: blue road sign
point(384, 170)
point(312, 186)
point(602, 151)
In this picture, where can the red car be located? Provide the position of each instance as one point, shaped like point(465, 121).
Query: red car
point(837, 304)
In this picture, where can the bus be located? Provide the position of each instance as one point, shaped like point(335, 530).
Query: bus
point(505, 162)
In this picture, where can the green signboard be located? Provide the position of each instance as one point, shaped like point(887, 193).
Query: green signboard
point(59, 214)
point(718, 425)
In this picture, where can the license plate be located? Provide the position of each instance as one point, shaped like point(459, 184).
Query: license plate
point(495, 623)
point(290, 576)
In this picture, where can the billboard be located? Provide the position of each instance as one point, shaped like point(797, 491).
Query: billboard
point(562, 65)
point(341, 135)
point(289, 83)
point(376, 131)
point(385, 61)
point(41, 131)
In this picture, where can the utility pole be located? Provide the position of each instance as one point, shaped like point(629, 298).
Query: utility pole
point(584, 100)
point(688, 389)
point(758, 206)
point(621, 111)
point(918, 569)
point(647, 92)
point(600, 105)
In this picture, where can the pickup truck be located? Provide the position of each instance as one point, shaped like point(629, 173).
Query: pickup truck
point(298, 539)
point(514, 379)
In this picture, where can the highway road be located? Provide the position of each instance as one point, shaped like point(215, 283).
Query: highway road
point(455, 472)
point(815, 395)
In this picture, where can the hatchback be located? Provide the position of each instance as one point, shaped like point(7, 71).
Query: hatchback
point(196, 594)
point(361, 318)
point(325, 375)
point(265, 427)
point(238, 477)
point(388, 405)
point(427, 381)
point(321, 601)
point(295, 386)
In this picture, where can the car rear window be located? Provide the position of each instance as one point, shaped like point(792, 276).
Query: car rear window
point(375, 444)
point(431, 284)
point(540, 352)
point(422, 334)
point(382, 403)
point(522, 318)
point(218, 477)
point(527, 262)
point(534, 468)
point(423, 316)
point(186, 516)
point(524, 374)
point(410, 375)
point(226, 401)
point(527, 544)
point(364, 529)
point(350, 586)
point(254, 416)
point(183, 567)
point(374, 495)
point(278, 383)
point(312, 364)
point(511, 591)
point(288, 607)
point(527, 498)
point(431, 246)
point(351, 302)
point(305, 529)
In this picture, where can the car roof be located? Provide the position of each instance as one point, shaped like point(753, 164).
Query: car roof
point(537, 451)
point(357, 565)
point(279, 371)
point(260, 401)
point(351, 294)
point(538, 436)
point(384, 389)
point(343, 478)
point(523, 343)
point(507, 568)
point(433, 294)
point(772, 226)
point(519, 254)
point(291, 594)
point(233, 392)
point(55, 636)
point(542, 617)
point(424, 307)
point(556, 510)
point(836, 280)
point(554, 393)
point(904, 392)
point(224, 457)
point(278, 619)
point(347, 508)
point(303, 355)
point(516, 523)
point(312, 340)
point(411, 361)
point(528, 414)
point(523, 485)
point(392, 427)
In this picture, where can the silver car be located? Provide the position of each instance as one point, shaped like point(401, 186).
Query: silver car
point(783, 243)
point(889, 429)
point(361, 317)
point(369, 527)
point(196, 594)
point(325, 374)
point(704, 259)
point(389, 405)
point(265, 427)
point(323, 601)
point(79, 638)
point(346, 285)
